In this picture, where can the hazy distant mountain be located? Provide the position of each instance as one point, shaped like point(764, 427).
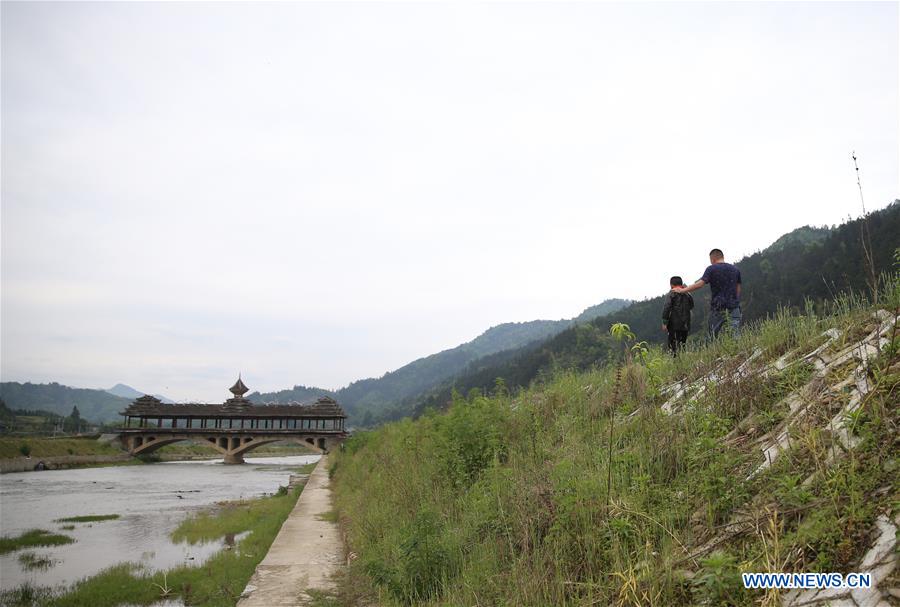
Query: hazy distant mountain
point(424, 374)
point(130, 393)
point(93, 405)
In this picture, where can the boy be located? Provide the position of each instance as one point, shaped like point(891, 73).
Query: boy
point(676, 315)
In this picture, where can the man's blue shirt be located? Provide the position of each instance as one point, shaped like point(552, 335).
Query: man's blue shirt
point(723, 279)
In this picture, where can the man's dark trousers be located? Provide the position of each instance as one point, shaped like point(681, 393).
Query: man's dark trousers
point(677, 339)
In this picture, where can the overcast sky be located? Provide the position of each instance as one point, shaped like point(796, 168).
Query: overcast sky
point(314, 193)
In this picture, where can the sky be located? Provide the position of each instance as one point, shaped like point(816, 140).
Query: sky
point(314, 193)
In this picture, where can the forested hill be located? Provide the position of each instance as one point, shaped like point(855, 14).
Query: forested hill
point(93, 405)
point(297, 394)
point(807, 263)
point(410, 381)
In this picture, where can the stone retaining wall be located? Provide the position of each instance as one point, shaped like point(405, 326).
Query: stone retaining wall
point(26, 464)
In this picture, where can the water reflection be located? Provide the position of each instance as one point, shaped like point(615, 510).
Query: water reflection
point(151, 500)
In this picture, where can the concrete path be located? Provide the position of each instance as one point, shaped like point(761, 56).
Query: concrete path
point(305, 553)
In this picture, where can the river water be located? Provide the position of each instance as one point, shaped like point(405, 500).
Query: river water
point(151, 500)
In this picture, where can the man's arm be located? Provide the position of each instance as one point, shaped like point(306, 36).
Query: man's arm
point(738, 289)
point(697, 285)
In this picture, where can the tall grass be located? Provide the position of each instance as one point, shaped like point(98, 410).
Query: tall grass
point(503, 499)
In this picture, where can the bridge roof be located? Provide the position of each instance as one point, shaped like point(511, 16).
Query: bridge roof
point(148, 406)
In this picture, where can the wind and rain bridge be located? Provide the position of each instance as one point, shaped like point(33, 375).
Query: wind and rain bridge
point(234, 427)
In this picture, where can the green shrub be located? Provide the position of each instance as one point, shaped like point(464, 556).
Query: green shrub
point(423, 563)
point(719, 582)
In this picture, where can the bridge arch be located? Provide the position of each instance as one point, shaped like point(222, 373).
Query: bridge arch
point(143, 445)
point(231, 447)
point(318, 445)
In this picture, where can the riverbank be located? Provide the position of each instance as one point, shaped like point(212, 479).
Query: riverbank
point(306, 553)
point(28, 464)
point(235, 534)
point(12, 447)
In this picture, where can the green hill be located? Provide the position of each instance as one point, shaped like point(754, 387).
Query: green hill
point(798, 269)
point(94, 405)
point(656, 482)
point(372, 396)
point(602, 309)
point(804, 236)
point(298, 394)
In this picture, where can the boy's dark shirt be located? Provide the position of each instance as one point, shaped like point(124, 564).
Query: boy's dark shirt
point(723, 279)
point(677, 311)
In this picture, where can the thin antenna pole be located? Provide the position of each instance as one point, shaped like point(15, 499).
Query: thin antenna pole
point(858, 182)
point(865, 236)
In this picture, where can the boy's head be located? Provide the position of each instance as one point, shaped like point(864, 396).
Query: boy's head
point(716, 255)
point(676, 281)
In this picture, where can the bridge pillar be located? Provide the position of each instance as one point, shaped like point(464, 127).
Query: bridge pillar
point(234, 459)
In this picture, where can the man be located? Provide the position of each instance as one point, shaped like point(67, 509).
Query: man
point(676, 315)
point(724, 281)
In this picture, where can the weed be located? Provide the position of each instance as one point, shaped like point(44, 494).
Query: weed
point(25, 595)
point(34, 537)
point(31, 561)
point(719, 582)
point(88, 518)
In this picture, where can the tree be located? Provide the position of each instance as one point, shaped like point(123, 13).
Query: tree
point(73, 422)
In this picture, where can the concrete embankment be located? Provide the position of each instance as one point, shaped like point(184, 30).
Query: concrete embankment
point(304, 555)
point(26, 464)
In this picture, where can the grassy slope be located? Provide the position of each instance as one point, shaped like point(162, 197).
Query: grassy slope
point(504, 501)
point(48, 447)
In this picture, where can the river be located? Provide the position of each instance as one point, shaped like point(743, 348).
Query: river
point(150, 499)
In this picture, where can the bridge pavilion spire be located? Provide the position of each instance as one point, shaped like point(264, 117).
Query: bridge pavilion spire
point(238, 389)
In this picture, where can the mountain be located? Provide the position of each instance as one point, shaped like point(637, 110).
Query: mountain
point(813, 264)
point(602, 309)
point(421, 374)
point(298, 394)
point(372, 395)
point(130, 393)
point(805, 236)
point(93, 405)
